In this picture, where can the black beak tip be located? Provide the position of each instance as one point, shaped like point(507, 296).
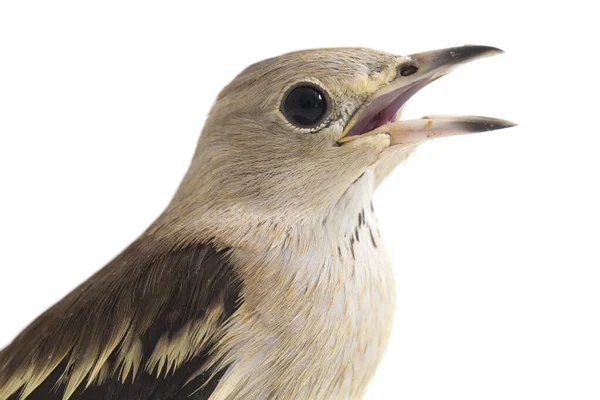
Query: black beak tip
point(483, 124)
point(472, 52)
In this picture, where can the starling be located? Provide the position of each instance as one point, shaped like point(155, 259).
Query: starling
point(266, 276)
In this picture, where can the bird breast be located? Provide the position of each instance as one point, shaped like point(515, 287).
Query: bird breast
point(313, 324)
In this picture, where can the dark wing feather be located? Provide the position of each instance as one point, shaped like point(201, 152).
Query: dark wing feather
point(141, 328)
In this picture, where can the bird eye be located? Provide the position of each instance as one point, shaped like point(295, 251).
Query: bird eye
point(304, 105)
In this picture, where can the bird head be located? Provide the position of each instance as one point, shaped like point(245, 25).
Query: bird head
point(290, 136)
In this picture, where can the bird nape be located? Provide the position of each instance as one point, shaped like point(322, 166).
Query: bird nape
point(265, 277)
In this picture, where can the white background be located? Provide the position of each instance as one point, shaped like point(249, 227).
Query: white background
point(494, 237)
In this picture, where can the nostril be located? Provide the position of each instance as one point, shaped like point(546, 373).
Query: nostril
point(407, 69)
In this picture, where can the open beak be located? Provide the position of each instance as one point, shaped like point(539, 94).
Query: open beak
point(380, 113)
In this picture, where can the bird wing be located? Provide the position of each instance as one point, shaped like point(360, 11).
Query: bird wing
point(141, 328)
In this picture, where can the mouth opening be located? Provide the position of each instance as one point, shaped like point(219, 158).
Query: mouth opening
point(382, 110)
point(380, 113)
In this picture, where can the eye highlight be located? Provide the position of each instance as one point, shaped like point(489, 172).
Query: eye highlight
point(304, 105)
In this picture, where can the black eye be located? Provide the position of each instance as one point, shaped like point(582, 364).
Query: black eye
point(304, 105)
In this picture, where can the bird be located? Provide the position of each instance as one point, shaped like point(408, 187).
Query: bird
point(266, 275)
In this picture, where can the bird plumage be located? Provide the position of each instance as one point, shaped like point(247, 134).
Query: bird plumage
point(168, 323)
point(265, 277)
point(139, 328)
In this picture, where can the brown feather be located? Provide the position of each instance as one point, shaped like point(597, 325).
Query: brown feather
point(135, 324)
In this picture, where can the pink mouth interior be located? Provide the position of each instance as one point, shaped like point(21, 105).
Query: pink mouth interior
point(383, 110)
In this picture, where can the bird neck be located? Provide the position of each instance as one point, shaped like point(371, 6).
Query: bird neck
point(235, 225)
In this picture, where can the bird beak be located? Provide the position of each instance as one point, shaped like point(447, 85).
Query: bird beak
point(380, 113)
